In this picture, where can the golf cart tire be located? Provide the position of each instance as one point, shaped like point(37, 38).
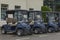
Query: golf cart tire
point(50, 30)
point(19, 32)
point(37, 30)
point(3, 31)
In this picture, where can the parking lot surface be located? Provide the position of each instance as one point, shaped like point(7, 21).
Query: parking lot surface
point(48, 36)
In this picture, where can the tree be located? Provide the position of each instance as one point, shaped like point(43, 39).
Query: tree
point(44, 9)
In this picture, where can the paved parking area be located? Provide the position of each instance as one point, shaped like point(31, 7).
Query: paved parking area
point(48, 36)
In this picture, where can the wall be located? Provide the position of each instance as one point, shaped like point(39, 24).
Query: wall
point(36, 4)
point(12, 3)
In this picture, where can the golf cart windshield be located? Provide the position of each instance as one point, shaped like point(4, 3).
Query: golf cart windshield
point(31, 15)
point(51, 18)
point(21, 15)
point(38, 16)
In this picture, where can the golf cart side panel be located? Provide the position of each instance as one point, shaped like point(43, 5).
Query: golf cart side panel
point(5, 27)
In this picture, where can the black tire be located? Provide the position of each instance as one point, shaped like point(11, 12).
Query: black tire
point(37, 30)
point(50, 30)
point(3, 31)
point(19, 32)
point(57, 29)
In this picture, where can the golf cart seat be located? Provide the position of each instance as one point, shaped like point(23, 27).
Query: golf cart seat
point(31, 22)
point(11, 21)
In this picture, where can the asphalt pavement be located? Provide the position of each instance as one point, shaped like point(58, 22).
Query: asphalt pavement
point(47, 36)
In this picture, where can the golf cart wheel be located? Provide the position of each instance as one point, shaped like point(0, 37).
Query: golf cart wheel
point(37, 30)
point(50, 30)
point(19, 32)
point(3, 31)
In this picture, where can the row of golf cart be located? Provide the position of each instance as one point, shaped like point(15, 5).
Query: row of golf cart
point(23, 22)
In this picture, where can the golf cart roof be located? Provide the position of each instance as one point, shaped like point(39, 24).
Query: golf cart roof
point(34, 11)
point(12, 11)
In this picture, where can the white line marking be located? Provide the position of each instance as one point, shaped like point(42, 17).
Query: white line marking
point(43, 35)
point(23, 39)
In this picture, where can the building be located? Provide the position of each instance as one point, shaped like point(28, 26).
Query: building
point(54, 4)
point(17, 4)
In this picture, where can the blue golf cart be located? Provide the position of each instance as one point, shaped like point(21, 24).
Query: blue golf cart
point(38, 26)
point(51, 24)
point(16, 23)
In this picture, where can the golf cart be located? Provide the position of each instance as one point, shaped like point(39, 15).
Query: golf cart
point(57, 18)
point(51, 24)
point(36, 22)
point(16, 23)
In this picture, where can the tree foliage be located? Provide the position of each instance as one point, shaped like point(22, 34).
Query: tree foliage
point(44, 9)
